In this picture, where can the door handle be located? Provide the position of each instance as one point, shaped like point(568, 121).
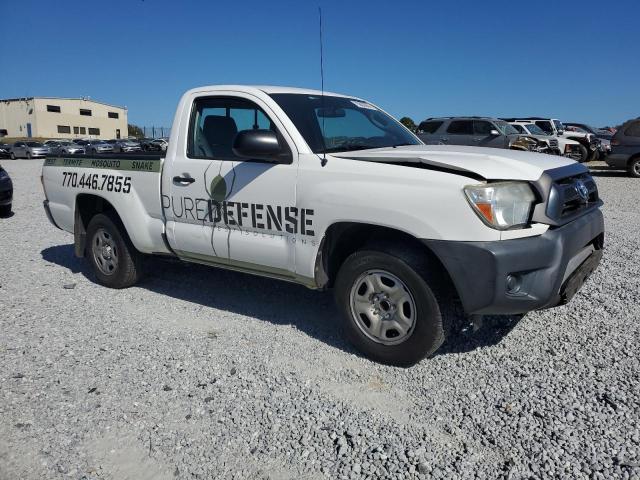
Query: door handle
point(183, 180)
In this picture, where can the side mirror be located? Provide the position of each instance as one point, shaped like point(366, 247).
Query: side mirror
point(494, 133)
point(258, 145)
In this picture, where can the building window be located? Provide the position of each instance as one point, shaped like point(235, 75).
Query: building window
point(53, 108)
point(85, 111)
point(64, 129)
point(83, 131)
point(94, 131)
point(113, 115)
point(76, 130)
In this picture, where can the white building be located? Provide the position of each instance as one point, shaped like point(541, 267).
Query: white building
point(49, 117)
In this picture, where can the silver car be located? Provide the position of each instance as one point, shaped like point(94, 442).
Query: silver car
point(65, 147)
point(29, 150)
point(125, 146)
point(97, 146)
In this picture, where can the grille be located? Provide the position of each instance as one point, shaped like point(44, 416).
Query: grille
point(571, 196)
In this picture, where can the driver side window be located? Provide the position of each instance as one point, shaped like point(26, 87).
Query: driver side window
point(215, 121)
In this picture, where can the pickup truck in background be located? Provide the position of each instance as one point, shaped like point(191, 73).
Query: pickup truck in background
point(329, 191)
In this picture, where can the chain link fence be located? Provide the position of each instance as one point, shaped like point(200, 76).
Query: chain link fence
point(156, 132)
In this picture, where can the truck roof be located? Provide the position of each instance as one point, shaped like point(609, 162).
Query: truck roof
point(268, 89)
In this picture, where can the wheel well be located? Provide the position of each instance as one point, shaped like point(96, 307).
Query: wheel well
point(344, 238)
point(633, 158)
point(86, 207)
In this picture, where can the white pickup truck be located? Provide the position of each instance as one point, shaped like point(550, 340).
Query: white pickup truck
point(330, 191)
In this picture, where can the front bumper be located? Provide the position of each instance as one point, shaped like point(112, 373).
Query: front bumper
point(617, 160)
point(548, 268)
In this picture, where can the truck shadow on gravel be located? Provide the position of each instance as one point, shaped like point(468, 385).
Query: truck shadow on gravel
point(278, 302)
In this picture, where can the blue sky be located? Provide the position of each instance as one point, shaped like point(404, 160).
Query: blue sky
point(577, 61)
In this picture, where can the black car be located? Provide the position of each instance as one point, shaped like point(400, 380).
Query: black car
point(6, 193)
point(625, 148)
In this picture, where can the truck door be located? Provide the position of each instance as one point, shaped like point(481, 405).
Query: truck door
point(224, 209)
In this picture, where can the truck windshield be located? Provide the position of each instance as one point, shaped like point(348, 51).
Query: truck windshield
point(535, 130)
point(339, 124)
point(559, 125)
point(506, 128)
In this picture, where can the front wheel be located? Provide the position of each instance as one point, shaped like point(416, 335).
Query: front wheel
point(634, 168)
point(115, 261)
point(391, 314)
point(584, 154)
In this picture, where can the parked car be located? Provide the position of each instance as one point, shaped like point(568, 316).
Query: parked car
point(28, 150)
point(125, 145)
point(6, 193)
point(65, 147)
point(5, 150)
point(97, 146)
point(413, 238)
point(604, 136)
point(476, 132)
point(625, 148)
point(560, 145)
point(555, 127)
point(162, 143)
point(149, 145)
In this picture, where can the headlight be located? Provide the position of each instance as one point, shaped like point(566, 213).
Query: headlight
point(501, 205)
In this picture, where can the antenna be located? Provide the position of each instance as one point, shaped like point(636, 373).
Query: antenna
point(323, 162)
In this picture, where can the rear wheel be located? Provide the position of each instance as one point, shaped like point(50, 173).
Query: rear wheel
point(390, 308)
point(116, 262)
point(634, 167)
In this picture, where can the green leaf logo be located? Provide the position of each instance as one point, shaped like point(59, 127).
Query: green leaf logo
point(218, 189)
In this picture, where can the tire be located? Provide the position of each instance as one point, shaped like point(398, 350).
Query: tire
point(5, 210)
point(584, 153)
point(115, 261)
point(634, 167)
point(429, 308)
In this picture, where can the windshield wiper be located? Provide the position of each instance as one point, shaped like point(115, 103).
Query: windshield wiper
point(346, 148)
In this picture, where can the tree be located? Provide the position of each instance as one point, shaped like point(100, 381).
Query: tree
point(135, 131)
point(409, 123)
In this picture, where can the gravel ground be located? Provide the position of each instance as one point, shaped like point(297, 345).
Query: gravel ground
point(202, 373)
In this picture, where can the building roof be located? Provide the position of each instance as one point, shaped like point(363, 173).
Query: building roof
point(86, 99)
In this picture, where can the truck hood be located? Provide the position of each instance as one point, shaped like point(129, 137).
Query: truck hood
point(488, 163)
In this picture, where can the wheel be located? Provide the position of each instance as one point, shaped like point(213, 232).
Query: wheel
point(116, 262)
point(634, 167)
point(5, 210)
point(391, 312)
point(584, 154)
